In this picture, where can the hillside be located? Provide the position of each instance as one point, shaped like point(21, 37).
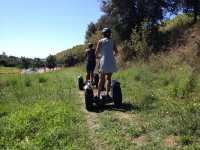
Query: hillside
point(177, 35)
point(181, 44)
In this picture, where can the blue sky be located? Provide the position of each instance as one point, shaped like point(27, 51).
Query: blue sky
point(37, 28)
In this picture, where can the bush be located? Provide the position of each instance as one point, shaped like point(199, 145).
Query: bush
point(128, 54)
point(42, 80)
point(144, 40)
point(27, 82)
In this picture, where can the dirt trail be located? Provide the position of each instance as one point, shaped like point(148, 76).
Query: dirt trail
point(92, 122)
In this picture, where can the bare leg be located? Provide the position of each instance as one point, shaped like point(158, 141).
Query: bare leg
point(100, 84)
point(108, 83)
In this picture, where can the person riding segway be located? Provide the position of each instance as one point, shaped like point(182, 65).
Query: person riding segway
point(106, 51)
point(91, 62)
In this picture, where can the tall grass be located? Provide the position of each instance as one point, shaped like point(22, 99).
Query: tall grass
point(40, 111)
point(168, 100)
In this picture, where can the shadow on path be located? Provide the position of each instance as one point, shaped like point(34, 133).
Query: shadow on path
point(124, 108)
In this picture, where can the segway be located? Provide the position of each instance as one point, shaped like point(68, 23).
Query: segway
point(116, 95)
point(81, 83)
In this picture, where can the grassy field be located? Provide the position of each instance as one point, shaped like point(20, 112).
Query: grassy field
point(42, 111)
point(161, 110)
point(9, 70)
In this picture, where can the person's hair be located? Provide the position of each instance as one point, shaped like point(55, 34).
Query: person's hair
point(90, 45)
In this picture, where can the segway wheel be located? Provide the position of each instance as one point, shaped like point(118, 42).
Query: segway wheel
point(80, 82)
point(116, 93)
point(117, 98)
point(89, 99)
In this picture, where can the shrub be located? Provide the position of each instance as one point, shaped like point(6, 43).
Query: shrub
point(27, 82)
point(128, 53)
point(42, 79)
point(144, 40)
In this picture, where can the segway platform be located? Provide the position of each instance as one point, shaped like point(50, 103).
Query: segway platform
point(103, 99)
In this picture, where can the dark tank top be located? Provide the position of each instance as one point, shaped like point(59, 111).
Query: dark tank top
point(91, 55)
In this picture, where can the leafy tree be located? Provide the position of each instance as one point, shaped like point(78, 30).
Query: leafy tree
point(91, 29)
point(70, 60)
point(192, 7)
point(3, 59)
point(25, 62)
point(38, 63)
point(51, 61)
point(13, 61)
point(125, 15)
point(140, 42)
point(3, 62)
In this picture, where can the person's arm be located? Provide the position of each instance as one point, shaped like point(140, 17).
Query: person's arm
point(86, 53)
point(115, 49)
point(98, 49)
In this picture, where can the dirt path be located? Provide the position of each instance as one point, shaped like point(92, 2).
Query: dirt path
point(92, 121)
point(93, 124)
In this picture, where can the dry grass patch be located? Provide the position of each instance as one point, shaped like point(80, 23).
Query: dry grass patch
point(125, 116)
point(171, 141)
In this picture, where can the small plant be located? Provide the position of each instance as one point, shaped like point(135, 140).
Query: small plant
point(42, 79)
point(13, 82)
point(148, 98)
point(3, 83)
point(186, 140)
point(27, 82)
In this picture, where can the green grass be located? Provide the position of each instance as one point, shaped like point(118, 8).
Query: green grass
point(42, 111)
point(157, 105)
point(180, 21)
point(161, 110)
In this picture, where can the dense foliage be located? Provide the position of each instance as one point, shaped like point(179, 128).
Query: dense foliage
point(51, 61)
point(12, 61)
point(127, 19)
point(71, 56)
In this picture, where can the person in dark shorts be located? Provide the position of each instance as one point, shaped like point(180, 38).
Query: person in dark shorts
point(91, 62)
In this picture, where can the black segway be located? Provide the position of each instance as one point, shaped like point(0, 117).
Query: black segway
point(116, 95)
point(81, 83)
point(89, 96)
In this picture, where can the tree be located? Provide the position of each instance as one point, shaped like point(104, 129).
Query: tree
point(51, 62)
point(38, 63)
point(125, 15)
point(25, 62)
point(70, 60)
point(91, 29)
point(3, 59)
point(192, 7)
